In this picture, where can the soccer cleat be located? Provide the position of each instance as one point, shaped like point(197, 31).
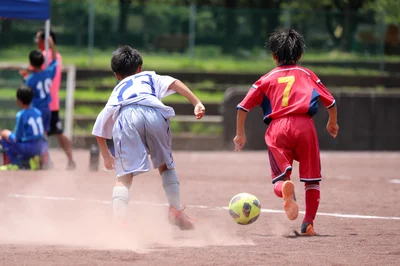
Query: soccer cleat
point(9, 167)
point(289, 200)
point(307, 229)
point(34, 163)
point(180, 219)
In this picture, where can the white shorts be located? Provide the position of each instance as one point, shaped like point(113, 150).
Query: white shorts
point(138, 132)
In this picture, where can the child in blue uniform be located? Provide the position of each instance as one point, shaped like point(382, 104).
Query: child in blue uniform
point(40, 81)
point(26, 144)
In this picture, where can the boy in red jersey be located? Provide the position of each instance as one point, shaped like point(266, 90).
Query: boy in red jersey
point(288, 96)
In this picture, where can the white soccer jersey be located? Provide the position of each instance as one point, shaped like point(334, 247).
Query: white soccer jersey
point(145, 88)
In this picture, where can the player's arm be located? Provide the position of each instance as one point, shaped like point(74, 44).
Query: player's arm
point(105, 153)
point(6, 134)
point(102, 129)
point(17, 134)
point(182, 89)
point(332, 125)
point(53, 48)
point(253, 98)
point(24, 73)
point(330, 103)
point(240, 138)
point(52, 67)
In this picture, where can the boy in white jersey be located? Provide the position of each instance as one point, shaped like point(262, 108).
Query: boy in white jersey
point(138, 122)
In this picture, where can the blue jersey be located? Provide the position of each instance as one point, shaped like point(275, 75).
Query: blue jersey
point(28, 126)
point(40, 83)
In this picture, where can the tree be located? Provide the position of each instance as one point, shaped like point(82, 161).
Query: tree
point(350, 18)
point(123, 15)
point(5, 29)
point(388, 10)
point(344, 14)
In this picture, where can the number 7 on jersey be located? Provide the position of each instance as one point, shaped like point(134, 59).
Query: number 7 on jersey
point(289, 80)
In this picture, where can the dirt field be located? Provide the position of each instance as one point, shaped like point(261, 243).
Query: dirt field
point(64, 218)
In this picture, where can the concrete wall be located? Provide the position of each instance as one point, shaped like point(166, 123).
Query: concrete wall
point(368, 121)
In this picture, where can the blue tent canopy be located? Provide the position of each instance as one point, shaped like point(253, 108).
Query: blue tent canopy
point(25, 9)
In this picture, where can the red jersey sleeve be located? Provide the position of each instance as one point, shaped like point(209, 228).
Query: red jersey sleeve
point(325, 96)
point(253, 98)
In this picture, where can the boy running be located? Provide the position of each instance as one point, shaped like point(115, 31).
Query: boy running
point(288, 96)
point(138, 122)
point(26, 144)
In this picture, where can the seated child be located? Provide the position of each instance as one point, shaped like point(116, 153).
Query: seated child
point(25, 146)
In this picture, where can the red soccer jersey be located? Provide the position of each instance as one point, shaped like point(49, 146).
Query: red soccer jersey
point(287, 90)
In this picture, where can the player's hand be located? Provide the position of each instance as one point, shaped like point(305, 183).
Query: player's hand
point(333, 129)
point(109, 162)
point(240, 141)
point(23, 73)
point(199, 110)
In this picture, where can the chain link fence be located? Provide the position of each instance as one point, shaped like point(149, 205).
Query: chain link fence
point(201, 31)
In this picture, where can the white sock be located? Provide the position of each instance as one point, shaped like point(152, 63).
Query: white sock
point(120, 200)
point(171, 187)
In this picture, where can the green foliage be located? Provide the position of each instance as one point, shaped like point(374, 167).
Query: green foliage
point(153, 25)
point(389, 10)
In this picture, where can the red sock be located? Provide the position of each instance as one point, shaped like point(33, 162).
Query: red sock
point(278, 188)
point(312, 201)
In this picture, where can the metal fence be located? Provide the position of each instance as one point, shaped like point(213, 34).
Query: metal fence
point(199, 31)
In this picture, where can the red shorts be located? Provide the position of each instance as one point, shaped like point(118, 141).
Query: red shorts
point(293, 138)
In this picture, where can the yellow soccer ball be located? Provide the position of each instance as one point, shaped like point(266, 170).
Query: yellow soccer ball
point(244, 208)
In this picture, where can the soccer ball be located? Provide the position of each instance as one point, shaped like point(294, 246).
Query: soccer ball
point(244, 208)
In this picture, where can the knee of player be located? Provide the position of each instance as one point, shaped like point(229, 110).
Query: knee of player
point(162, 169)
point(125, 180)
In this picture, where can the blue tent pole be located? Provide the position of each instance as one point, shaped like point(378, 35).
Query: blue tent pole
point(46, 41)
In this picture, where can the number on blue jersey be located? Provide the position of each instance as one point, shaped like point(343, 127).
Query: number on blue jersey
point(44, 87)
point(125, 86)
point(36, 125)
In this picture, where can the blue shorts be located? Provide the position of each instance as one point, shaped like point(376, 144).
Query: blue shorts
point(20, 152)
point(46, 117)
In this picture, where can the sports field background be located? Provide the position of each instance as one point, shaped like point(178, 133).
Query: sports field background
point(57, 217)
point(64, 218)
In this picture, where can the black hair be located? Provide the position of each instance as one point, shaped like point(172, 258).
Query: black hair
point(287, 45)
point(125, 61)
point(52, 34)
point(25, 94)
point(36, 58)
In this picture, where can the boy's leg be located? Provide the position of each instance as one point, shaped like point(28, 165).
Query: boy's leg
point(45, 155)
point(170, 184)
point(12, 151)
point(312, 203)
point(159, 142)
point(66, 145)
point(120, 197)
point(131, 159)
point(284, 188)
point(281, 159)
point(57, 130)
point(308, 153)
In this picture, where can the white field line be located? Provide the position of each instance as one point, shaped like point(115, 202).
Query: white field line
point(339, 215)
point(395, 181)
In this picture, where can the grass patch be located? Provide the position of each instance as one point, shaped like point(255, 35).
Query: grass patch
point(252, 63)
